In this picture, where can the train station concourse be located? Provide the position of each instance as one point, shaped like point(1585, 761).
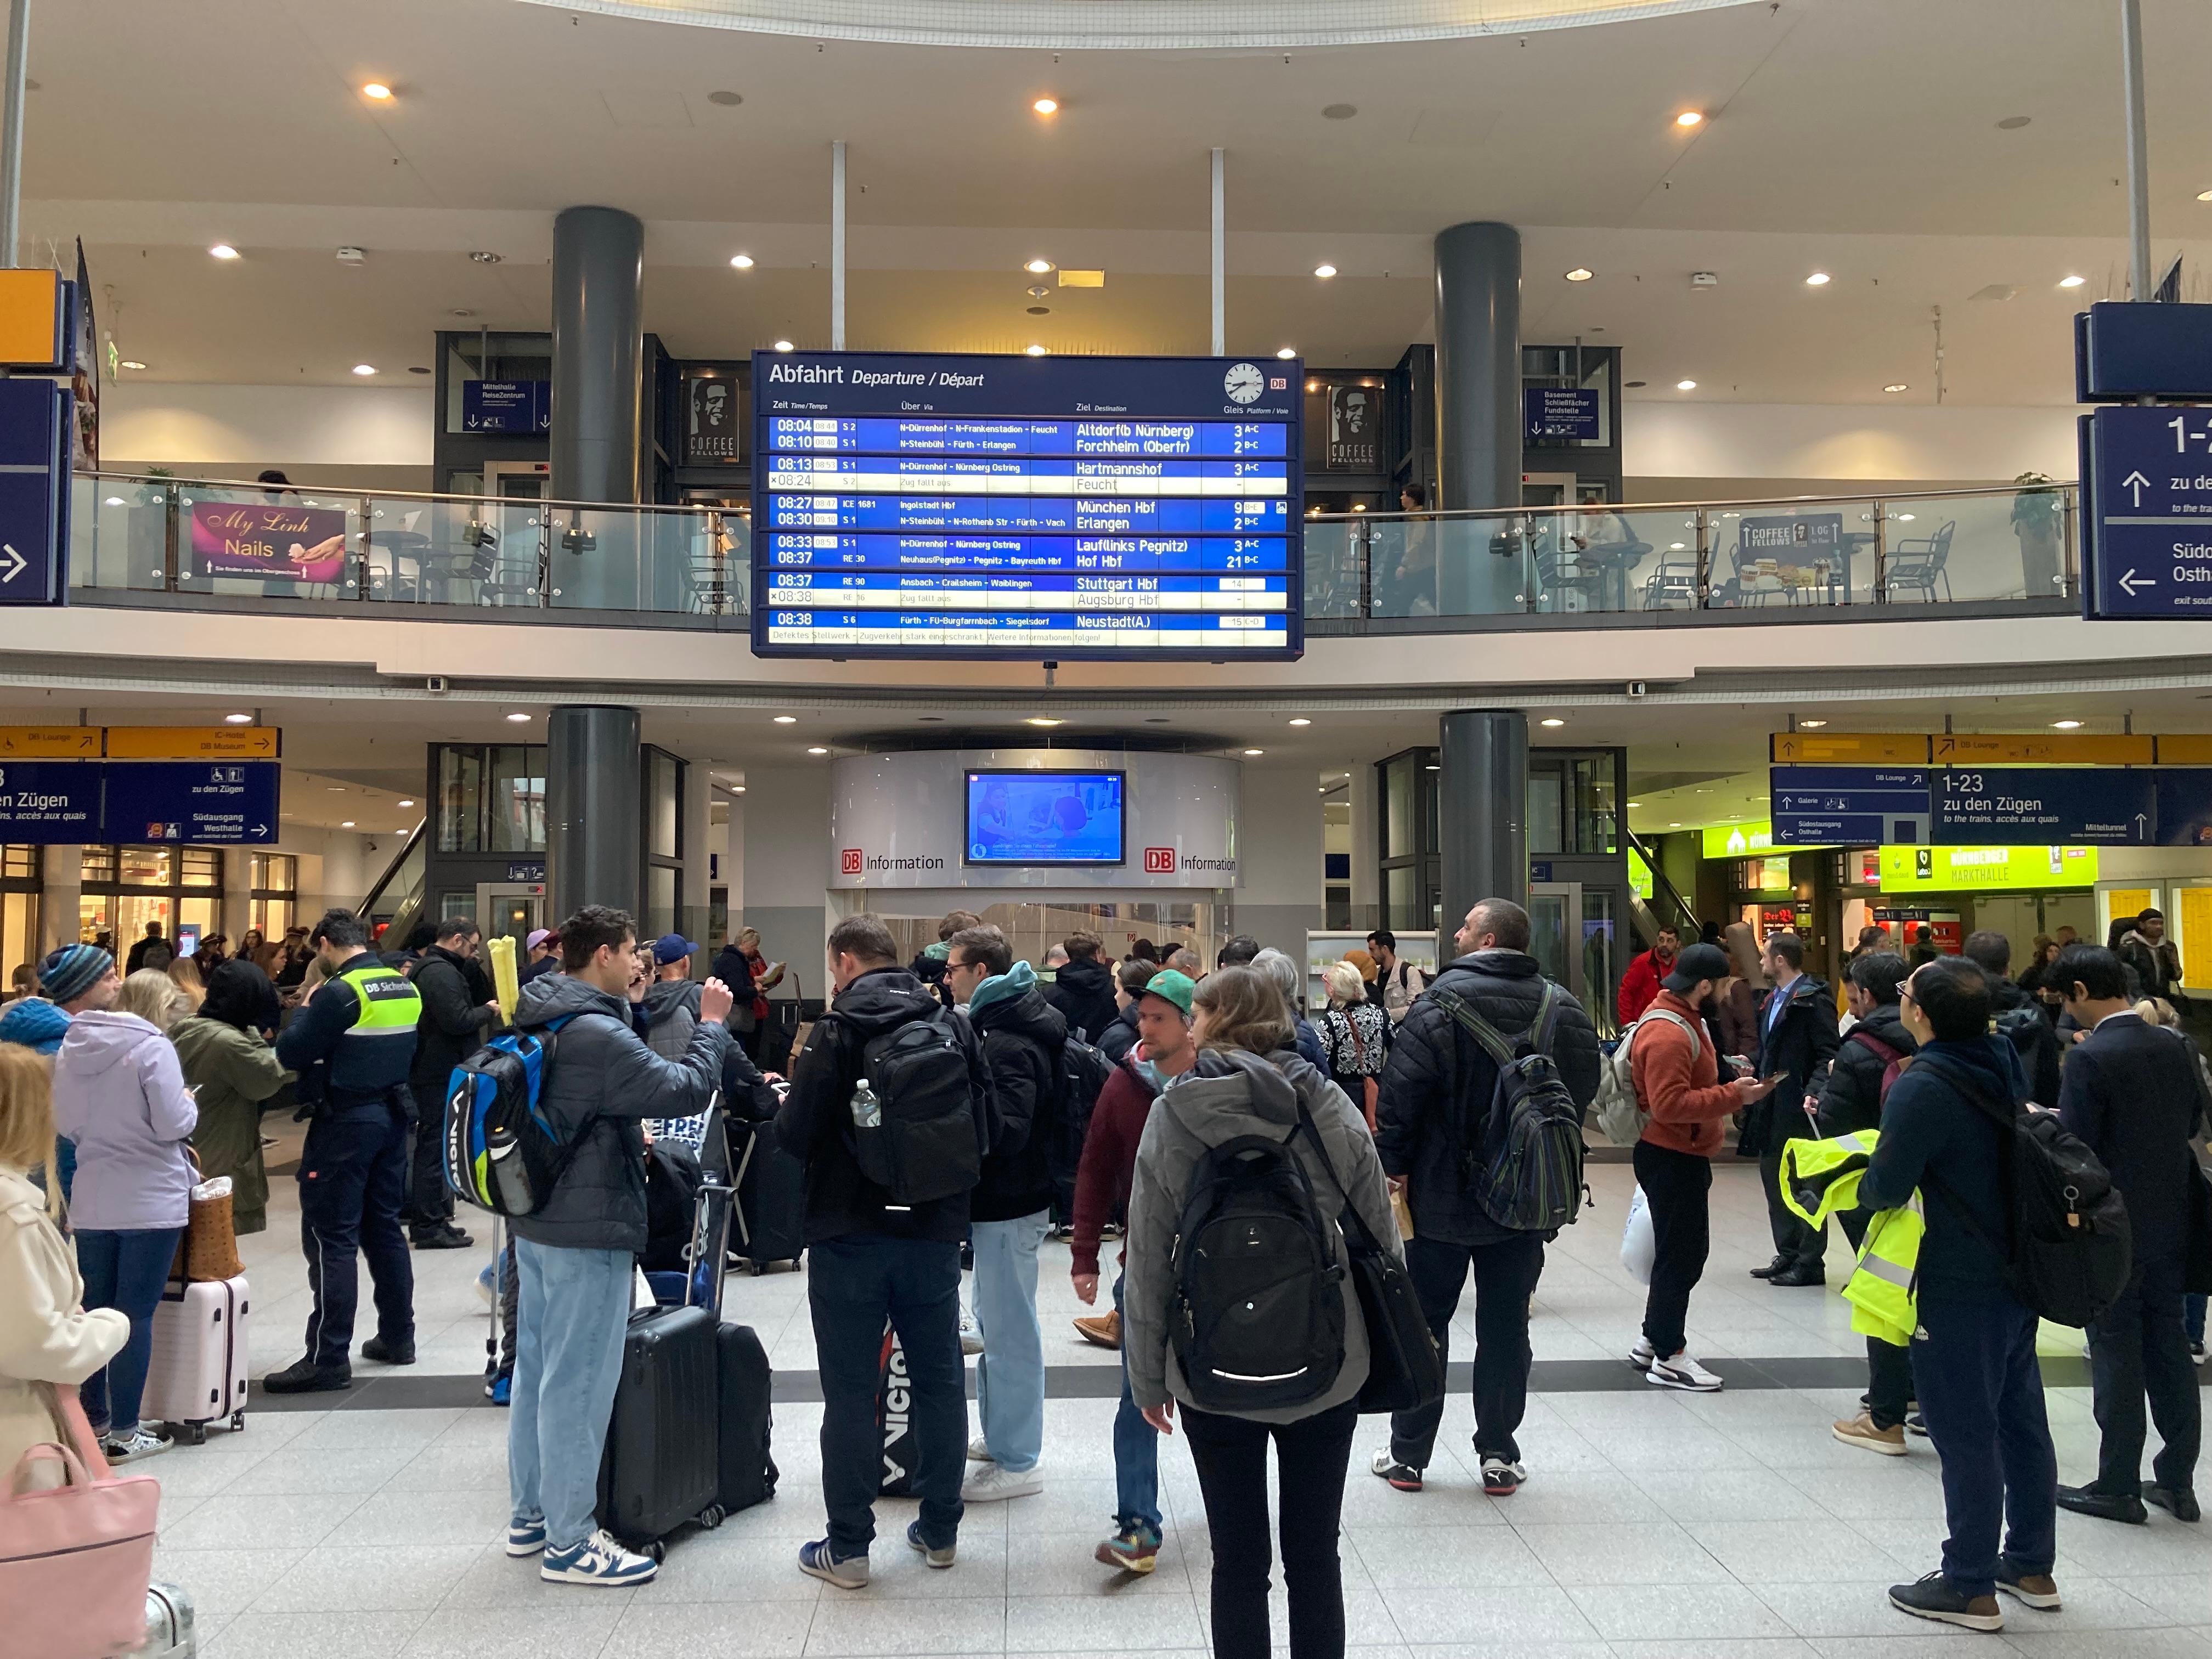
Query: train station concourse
point(713, 713)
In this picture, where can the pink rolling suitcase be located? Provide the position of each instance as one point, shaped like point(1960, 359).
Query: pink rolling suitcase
point(197, 1371)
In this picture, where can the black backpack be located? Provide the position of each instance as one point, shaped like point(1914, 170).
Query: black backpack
point(1257, 1315)
point(927, 1146)
point(2071, 1246)
point(1084, 1069)
point(1526, 1166)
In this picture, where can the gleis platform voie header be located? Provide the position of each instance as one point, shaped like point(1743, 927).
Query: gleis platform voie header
point(1054, 508)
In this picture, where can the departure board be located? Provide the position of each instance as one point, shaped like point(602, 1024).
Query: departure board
point(1057, 509)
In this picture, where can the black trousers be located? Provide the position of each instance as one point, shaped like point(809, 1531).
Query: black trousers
point(1311, 1456)
point(1889, 1368)
point(1505, 1274)
point(430, 1200)
point(1802, 1245)
point(353, 1169)
point(2140, 1347)
point(1676, 1186)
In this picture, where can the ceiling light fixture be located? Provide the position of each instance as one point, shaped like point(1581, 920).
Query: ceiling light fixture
point(783, 345)
point(1636, 803)
point(1255, 752)
point(2066, 725)
point(1324, 271)
point(406, 803)
point(130, 362)
point(517, 717)
point(786, 720)
point(364, 368)
point(1818, 279)
point(1033, 351)
point(113, 501)
point(1676, 824)
point(485, 257)
point(1896, 386)
point(223, 250)
point(741, 261)
point(1811, 725)
point(1043, 720)
point(2072, 282)
point(1690, 117)
point(1037, 267)
point(1301, 721)
point(817, 750)
point(1046, 106)
point(1685, 385)
point(345, 824)
point(238, 719)
point(1286, 352)
point(1580, 274)
point(376, 90)
point(1553, 721)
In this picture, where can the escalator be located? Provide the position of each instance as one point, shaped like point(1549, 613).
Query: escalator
point(394, 903)
point(1667, 907)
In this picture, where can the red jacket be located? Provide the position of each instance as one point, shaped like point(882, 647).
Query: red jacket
point(1639, 985)
point(1110, 1158)
point(1686, 1098)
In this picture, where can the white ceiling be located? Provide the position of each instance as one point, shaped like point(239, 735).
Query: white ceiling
point(1857, 136)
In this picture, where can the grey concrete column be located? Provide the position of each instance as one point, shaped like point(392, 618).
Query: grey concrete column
point(598, 276)
point(1482, 809)
point(1478, 366)
point(696, 791)
point(61, 889)
point(593, 792)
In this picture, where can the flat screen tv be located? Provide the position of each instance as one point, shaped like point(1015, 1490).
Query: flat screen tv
point(1044, 818)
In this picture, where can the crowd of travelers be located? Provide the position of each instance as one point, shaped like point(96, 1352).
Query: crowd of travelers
point(953, 1112)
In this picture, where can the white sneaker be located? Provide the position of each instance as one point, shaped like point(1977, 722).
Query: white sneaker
point(1681, 1371)
point(979, 1451)
point(989, 1482)
point(141, 1443)
point(597, 1560)
point(971, 1336)
point(1642, 1354)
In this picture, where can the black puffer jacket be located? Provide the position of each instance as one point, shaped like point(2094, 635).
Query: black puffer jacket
point(1440, 1083)
point(1117, 1039)
point(600, 1066)
point(450, 1031)
point(2036, 1044)
point(815, 1124)
point(1022, 1035)
point(1851, 1098)
point(1084, 993)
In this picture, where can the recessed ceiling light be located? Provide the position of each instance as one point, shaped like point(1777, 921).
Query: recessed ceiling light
point(1580, 274)
point(1677, 824)
point(2066, 725)
point(485, 257)
point(130, 362)
point(1038, 290)
point(1811, 725)
point(2072, 282)
point(1324, 271)
point(783, 345)
point(1255, 752)
point(1301, 721)
point(517, 717)
point(334, 788)
point(736, 789)
point(1818, 279)
point(1339, 112)
point(113, 501)
point(1553, 721)
point(345, 824)
point(376, 90)
point(1690, 117)
point(406, 803)
point(223, 250)
point(1896, 386)
point(1037, 267)
point(1033, 351)
point(2204, 195)
point(1046, 106)
point(2014, 123)
point(817, 750)
point(1685, 385)
point(727, 99)
point(1286, 352)
point(786, 720)
point(364, 368)
point(238, 719)
point(741, 261)
point(1043, 720)
point(1636, 803)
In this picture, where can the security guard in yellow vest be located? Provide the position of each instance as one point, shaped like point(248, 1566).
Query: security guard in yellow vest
point(352, 1046)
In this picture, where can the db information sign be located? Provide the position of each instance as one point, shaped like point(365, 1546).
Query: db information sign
point(1160, 860)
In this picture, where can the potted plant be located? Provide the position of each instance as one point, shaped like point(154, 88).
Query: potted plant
point(2038, 509)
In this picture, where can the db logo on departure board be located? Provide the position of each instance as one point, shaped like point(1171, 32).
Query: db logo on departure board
point(1160, 860)
point(849, 860)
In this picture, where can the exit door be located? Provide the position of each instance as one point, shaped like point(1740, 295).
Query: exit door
point(1574, 934)
point(512, 910)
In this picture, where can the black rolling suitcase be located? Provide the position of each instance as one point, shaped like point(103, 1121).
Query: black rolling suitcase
point(663, 1463)
point(771, 1220)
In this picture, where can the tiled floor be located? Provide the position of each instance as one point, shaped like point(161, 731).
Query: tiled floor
point(1655, 1526)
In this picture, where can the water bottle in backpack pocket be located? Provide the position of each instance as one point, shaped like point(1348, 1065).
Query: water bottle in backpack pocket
point(913, 1113)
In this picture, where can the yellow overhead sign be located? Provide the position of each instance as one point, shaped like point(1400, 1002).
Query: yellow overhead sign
point(1870, 748)
point(194, 742)
point(2191, 749)
point(30, 318)
point(1750, 839)
point(1987, 748)
point(2043, 749)
point(1959, 869)
point(50, 742)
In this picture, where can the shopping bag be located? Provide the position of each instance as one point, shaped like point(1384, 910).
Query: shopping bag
point(1637, 1246)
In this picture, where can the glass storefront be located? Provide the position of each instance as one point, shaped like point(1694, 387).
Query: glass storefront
point(126, 888)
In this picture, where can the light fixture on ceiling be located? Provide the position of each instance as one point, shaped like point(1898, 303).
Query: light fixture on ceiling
point(741, 261)
point(2072, 282)
point(376, 90)
point(238, 719)
point(1818, 279)
point(1896, 386)
point(1690, 117)
point(1581, 274)
point(1636, 803)
point(2066, 725)
point(517, 717)
point(1046, 107)
point(486, 257)
point(1300, 721)
point(1324, 271)
point(817, 750)
point(345, 824)
point(1255, 752)
point(2204, 195)
point(113, 501)
point(223, 250)
point(1033, 350)
point(334, 788)
point(1676, 824)
point(1037, 267)
point(1811, 725)
point(406, 803)
point(1043, 720)
point(1685, 385)
point(1037, 290)
point(130, 362)
point(783, 345)
point(364, 369)
point(1553, 720)
point(736, 789)
point(1286, 352)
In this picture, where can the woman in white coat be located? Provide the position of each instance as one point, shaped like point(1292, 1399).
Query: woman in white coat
point(47, 1339)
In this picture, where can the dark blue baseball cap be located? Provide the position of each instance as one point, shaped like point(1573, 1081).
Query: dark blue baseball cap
point(672, 947)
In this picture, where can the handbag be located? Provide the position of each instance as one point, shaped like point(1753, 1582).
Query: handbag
point(208, 1250)
point(1404, 1369)
point(75, 1560)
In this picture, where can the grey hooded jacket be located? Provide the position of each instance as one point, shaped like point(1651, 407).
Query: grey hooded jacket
point(1231, 1093)
point(601, 1064)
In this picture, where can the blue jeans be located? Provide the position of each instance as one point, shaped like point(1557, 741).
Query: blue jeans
point(574, 1311)
point(1974, 1367)
point(124, 1270)
point(854, 1284)
point(1009, 1374)
point(1136, 1453)
point(352, 1177)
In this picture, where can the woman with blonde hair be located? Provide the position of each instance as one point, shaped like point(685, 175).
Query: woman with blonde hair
point(1355, 1037)
point(48, 1341)
point(184, 975)
point(150, 994)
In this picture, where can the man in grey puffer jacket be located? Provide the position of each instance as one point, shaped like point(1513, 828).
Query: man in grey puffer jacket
point(575, 1256)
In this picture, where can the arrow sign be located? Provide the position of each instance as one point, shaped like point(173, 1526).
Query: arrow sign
point(2129, 581)
point(2135, 483)
point(2146, 514)
point(13, 566)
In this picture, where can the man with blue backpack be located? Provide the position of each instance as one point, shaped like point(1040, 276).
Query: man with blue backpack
point(576, 1246)
point(1444, 1128)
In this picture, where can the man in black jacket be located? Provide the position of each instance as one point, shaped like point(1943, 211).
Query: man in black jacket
point(2131, 1095)
point(1119, 1037)
point(2036, 1037)
point(1437, 1092)
point(451, 1030)
point(1083, 990)
point(1796, 1038)
point(1011, 1208)
point(872, 1261)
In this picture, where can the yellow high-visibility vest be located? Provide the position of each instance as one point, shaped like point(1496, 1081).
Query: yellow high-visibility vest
point(1883, 1285)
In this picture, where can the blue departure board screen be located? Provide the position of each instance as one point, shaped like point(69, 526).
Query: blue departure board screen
point(1050, 508)
point(1044, 818)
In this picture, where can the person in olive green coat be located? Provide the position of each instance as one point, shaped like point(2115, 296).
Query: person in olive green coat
point(231, 1068)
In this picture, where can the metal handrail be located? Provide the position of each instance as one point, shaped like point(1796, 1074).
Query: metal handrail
point(674, 509)
point(2060, 488)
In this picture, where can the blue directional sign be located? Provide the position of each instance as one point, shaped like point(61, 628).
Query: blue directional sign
point(502, 406)
point(1554, 413)
point(2183, 818)
point(208, 802)
point(49, 802)
point(2147, 540)
point(36, 421)
point(1824, 806)
point(2026, 805)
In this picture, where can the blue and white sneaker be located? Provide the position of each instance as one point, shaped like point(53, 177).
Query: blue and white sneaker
point(851, 1573)
point(597, 1560)
point(526, 1537)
